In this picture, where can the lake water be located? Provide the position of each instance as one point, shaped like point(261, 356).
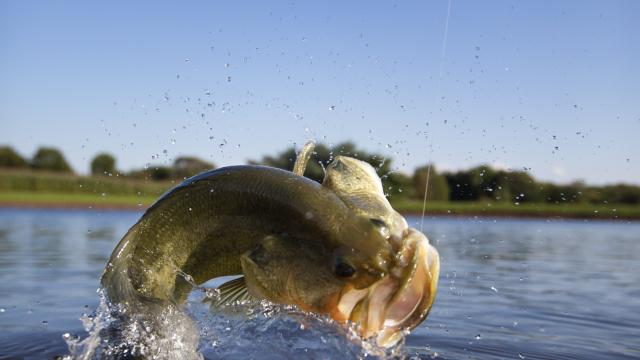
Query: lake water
point(519, 289)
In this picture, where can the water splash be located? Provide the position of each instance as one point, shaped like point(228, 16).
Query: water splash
point(248, 329)
point(116, 334)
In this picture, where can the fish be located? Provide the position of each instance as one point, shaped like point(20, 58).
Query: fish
point(336, 248)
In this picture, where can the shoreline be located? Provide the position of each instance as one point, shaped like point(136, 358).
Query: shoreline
point(44, 205)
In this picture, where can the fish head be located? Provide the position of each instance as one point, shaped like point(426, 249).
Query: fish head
point(403, 295)
point(374, 272)
point(382, 301)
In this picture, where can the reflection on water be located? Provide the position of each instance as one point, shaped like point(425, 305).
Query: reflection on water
point(528, 289)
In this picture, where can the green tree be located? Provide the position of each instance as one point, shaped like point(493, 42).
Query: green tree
point(51, 159)
point(103, 164)
point(523, 187)
point(438, 189)
point(397, 185)
point(187, 166)
point(11, 159)
point(557, 194)
point(474, 184)
point(159, 173)
point(618, 194)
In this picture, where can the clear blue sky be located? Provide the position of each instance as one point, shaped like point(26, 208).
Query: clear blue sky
point(553, 86)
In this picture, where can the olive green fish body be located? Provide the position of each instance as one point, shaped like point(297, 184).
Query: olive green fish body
point(203, 226)
point(336, 248)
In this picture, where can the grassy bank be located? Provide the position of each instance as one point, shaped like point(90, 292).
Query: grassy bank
point(57, 200)
point(567, 210)
point(54, 183)
point(30, 189)
point(43, 189)
point(586, 211)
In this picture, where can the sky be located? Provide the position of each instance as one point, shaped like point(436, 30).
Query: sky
point(552, 87)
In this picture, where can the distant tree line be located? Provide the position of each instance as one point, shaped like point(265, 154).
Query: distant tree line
point(103, 164)
point(481, 183)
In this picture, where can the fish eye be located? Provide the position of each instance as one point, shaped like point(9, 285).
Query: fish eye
point(382, 226)
point(379, 223)
point(344, 270)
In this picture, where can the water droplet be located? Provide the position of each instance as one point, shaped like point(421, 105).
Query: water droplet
point(173, 141)
point(332, 107)
point(521, 356)
point(187, 60)
point(228, 78)
point(478, 337)
point(2, 310)
point(494, 289)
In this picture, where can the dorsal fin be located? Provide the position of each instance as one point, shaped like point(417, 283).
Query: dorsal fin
point(303, 158)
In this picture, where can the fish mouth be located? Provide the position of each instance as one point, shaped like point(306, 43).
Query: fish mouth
point(399, 301)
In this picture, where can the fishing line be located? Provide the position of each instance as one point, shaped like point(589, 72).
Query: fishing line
point(439, 101)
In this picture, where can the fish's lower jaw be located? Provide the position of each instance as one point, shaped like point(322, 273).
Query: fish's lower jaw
point(415, 297)
point(401, 317)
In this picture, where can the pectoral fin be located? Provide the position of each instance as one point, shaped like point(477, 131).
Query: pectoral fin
point(231, 292)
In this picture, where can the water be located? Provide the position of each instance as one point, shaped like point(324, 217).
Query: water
point(532, 289)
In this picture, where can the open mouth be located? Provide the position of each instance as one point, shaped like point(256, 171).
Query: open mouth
point(400, 301)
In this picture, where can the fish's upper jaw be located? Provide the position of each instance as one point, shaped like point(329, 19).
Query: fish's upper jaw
point(399, 301)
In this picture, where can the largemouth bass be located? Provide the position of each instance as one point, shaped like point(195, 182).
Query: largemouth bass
point(335, 248)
